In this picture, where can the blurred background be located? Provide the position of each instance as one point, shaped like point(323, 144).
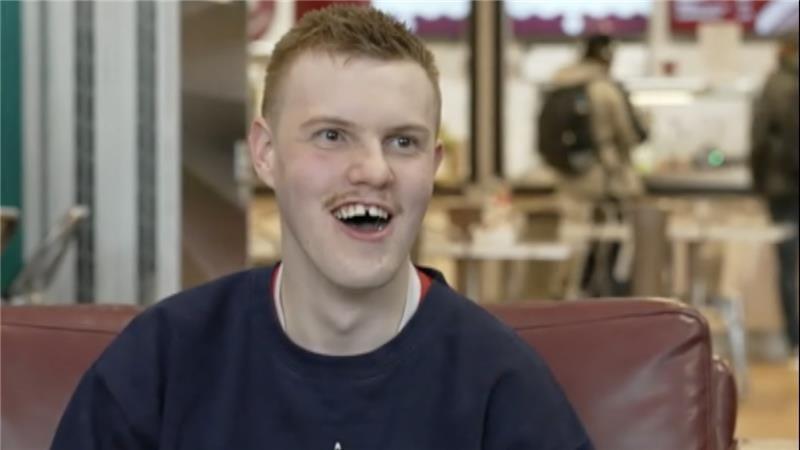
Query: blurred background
point(125, 174)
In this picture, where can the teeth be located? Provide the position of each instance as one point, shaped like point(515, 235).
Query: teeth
point(374, 211)
point(356, 210)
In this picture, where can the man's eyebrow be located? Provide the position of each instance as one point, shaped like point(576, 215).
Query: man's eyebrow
point(339, 122)
point(327, 120)
point(410, 128)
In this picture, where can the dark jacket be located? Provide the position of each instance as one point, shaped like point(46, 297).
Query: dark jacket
point(774, 135)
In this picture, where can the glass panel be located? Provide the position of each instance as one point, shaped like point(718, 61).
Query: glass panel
point(758, 18)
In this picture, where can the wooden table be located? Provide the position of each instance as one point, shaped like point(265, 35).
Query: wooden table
point(682, 231)
point(474, 253)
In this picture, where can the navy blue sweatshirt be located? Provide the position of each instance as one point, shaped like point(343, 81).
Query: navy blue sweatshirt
point(211, 368)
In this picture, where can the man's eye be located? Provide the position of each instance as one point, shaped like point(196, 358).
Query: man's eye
point(329, 138)
point(403, 142)
point(331, 135)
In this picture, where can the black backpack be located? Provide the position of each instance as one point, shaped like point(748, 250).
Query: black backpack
point(566, 142)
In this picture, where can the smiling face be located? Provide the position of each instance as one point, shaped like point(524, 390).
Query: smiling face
point(351, 153)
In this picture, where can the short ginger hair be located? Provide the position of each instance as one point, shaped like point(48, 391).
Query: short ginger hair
point(351, 30)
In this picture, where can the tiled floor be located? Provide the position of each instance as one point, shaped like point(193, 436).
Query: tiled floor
point(771, 408)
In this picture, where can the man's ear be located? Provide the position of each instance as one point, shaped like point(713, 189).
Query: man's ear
point(262, 150)
point(438, 154)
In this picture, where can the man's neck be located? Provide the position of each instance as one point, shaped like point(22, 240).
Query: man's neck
point(328, 319)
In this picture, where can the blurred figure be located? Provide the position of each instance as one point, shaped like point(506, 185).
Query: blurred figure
point(774, 159)
point(615, 130)
point(600, 173)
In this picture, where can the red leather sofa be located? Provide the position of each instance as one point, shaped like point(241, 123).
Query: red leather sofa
point(640, 373)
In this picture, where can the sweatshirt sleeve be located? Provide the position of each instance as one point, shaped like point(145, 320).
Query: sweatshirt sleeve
point(117, 404)
point(95, 420)
point(528, 411)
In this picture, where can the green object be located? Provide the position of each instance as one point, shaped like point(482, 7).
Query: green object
point(11, 135)
point(716, 158)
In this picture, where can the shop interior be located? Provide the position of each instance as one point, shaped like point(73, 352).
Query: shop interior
point(497, 227)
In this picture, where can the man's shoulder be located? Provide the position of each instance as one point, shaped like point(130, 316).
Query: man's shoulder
point(606, 90)
point(486, 336)
point(183, 321)
point(231, 288)
point(578, 73)
point(203, 306)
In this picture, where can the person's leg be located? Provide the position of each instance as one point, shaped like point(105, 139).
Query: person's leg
point(617, 286)
point(784, 211)
point(588, 269)
point(604, 252)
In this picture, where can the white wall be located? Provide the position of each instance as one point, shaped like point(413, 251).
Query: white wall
point(453, 64)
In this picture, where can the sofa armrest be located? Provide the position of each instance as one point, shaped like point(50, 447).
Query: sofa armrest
point(725, 405)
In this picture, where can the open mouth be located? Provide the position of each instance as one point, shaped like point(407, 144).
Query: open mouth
point(362, 217)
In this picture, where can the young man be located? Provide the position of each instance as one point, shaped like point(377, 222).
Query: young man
point(774, 158)
point(343, 345)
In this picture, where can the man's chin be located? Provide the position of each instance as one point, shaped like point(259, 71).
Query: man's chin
point(364, 277)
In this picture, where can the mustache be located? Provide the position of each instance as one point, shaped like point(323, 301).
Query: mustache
point(354, 195)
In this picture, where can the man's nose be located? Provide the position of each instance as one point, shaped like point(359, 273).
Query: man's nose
point(369, 166)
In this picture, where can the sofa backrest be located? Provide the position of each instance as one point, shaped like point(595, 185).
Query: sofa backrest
point(639, 372)
point(45, 350)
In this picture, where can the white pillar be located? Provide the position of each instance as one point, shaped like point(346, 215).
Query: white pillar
point(32, 92)
point(49, 132)
point(658, 36)
point(60, 134)
point(168, 149)
point(115, 167)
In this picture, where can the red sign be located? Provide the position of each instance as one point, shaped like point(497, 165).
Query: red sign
point(259, 18)
point(761, 17)
point(304, 6)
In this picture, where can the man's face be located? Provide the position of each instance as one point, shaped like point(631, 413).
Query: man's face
point(351, 153)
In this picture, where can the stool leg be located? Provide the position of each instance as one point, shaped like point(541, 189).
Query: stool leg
point(733, 316)
point(738, 338)
point(576, 268)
